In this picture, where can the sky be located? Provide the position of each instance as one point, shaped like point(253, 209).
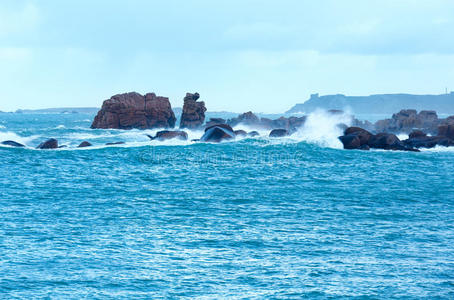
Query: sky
point(240, 55)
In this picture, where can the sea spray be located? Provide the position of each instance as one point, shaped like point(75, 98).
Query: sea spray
point(323, 128)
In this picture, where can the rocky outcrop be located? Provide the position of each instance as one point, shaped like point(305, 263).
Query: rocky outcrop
point(446, 130)
point(193, 114)
point(253, 133)
point(250, 119)
point(279, 133)
point(12, 144)
point(132, 110)
point(247, 118)
point(49, 144)
point(407, 120)
point(215, 121)
point(358, 138)
point(218, 133)
point(168, 135)
point(84, 144)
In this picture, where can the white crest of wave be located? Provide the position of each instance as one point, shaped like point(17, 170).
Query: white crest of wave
point(2, 127)
point(322, 128)
point(11, 136)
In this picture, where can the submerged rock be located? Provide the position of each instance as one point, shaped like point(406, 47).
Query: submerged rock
point(49, 144)
point(167, 135)
point(12, 144)
point(132, 110)
point(115, 143)
point(218, 133)
point(278, 133)
point(84, 144)
point(193, 114)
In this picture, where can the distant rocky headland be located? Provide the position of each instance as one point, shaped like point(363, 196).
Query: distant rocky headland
point(60, 110)
point(378, 104)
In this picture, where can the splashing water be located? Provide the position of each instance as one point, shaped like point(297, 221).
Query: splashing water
point(322, 128)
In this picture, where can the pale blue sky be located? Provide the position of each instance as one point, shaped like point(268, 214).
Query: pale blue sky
point(262, 55)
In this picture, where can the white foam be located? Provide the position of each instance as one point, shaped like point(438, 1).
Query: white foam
point(11, 136)
point(322, 128)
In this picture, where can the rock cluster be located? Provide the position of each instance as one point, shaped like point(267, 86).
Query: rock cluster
point(409, 119)
point(250, 119)
point(132, 110)
point(193, 115)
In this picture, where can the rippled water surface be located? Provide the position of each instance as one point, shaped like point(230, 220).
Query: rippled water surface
point(255, 218)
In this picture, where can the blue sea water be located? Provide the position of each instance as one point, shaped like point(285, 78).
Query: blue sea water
point(250, 219)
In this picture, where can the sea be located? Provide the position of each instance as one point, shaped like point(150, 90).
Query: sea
point(254, 218)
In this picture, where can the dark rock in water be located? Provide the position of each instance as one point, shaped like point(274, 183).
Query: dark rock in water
point(247, 118)
point(350, 141)
point(253, 133)
point(84, 144)
point(446, 130)
point(389, 141)
point(12, 144)
point(167, 135)
point(218, 133)
point(416, 134)
point(215, 121)
point(363, 135)
point(225, 126)
point(62, 146)
point(115, 143)
point(132, 110)
point(423, 141)
point(195, 140)
point(364, 147)
point(240, 133)
point(384, 141)
point(278, 133)
point(193, 114)
point(49, 144)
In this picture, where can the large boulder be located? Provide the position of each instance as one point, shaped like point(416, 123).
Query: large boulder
point(362, 134)
point(218, 133)
point(49, 144)
point(12, 144)
point(193, 114)
point(132, 110)
point(168, 135)
point(350, 141)
point(279, 132)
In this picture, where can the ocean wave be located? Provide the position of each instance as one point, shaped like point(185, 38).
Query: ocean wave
point(12, 136)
